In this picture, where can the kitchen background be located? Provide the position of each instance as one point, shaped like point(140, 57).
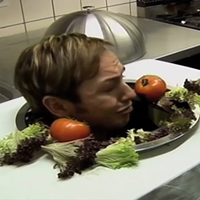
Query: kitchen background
point(24, 22)
point(26, 15)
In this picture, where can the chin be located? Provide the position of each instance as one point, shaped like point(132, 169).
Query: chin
point(122, 122)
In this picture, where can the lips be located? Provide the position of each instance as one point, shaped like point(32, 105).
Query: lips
point(126, 109)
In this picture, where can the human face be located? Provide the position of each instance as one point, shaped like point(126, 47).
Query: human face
point(106, 100)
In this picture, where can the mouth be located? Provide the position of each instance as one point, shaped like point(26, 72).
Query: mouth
point(126, 110)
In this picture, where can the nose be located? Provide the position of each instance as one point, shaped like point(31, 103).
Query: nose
point(128, 93)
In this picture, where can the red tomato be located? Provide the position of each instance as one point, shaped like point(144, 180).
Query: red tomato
point(151, 86)
point(65, 130)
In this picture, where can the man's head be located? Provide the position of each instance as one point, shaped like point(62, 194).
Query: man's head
point(75, 76)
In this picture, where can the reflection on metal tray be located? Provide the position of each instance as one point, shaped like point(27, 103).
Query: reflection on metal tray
point(154, 114)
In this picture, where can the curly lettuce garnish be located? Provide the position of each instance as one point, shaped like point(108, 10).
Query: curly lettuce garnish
point(118, 155)
point(180, 125)
point(77, 156)
point(177, 93)
point(139, 135)
point(182, 95)
point(192, 85)
point(20, 146)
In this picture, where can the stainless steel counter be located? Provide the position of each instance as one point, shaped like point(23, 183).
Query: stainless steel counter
point(168, 42)
point(163, 41)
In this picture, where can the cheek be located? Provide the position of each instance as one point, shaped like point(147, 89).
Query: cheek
point(80, 109)
point(101, 103)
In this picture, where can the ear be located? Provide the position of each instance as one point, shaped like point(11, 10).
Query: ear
point(58, 107)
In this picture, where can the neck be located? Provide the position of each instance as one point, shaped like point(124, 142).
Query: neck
point(106, 134)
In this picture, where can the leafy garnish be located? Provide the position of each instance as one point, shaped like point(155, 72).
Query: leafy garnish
point(79, 157)
point(193, 85)
point(61, 152)
point(180, 125)
point(75, 157)
point(182, 95)
point(21, 145)
point(139, 135)
point(118, 155)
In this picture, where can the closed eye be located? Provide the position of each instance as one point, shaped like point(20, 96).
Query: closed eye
point(113, 84)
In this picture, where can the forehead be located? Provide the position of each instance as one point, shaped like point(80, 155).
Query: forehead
point(109, 64)
point(110, 67)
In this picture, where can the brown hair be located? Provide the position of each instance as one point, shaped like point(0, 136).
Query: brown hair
point(57, 66)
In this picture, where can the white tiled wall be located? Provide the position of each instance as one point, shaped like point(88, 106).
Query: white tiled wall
point(27, 15)
point(65, 6)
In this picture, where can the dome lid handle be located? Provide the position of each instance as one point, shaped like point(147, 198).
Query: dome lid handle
point(88, 8)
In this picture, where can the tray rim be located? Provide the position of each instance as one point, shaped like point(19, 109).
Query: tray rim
point(169, 138)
